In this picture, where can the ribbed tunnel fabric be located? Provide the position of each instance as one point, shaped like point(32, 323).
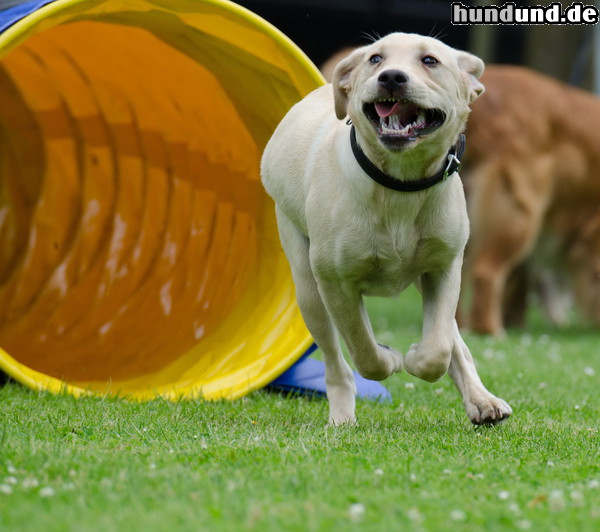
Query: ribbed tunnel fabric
point(138, 252)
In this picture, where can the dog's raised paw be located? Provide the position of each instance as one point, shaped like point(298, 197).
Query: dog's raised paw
point(427, 361)
point(489, 411)
point(394, 356)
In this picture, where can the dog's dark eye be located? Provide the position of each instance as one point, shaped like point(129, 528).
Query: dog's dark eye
point(429, 60)
point(375, 59)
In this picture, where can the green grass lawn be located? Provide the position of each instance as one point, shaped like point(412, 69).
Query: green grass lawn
point(269, 463)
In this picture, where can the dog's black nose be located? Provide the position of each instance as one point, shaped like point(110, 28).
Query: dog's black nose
point(392, 80)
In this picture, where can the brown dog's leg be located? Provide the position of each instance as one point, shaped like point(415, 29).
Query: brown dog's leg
point(514, 305)
point(506, 211)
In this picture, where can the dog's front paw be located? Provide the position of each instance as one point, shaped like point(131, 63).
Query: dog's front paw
point(396, 359)
point(487, 410)
point(341, 421)
point(427, 361)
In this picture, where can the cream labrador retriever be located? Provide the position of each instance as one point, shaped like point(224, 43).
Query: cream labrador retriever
point(370, 204)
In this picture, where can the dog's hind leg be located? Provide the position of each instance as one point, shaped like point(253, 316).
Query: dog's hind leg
point(483, 408)
point(341, 388)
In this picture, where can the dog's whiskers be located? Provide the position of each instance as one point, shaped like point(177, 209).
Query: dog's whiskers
point(371, 37)
point(437, 35)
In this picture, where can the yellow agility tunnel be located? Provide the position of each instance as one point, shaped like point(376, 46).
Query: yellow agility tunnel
point(139, 255)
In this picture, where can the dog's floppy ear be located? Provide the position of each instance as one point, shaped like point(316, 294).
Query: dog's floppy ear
point(341, 82)
point(473, 68)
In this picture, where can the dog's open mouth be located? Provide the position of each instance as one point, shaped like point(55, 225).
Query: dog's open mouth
point(402, 120)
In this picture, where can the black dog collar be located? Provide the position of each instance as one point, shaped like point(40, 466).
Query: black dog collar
point(452, 165)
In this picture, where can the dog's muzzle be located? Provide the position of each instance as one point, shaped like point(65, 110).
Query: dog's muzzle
point(398, 121)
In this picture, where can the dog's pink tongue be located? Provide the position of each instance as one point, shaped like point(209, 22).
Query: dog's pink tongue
point(385, 109)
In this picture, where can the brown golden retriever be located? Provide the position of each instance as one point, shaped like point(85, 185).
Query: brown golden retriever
point(532, 175)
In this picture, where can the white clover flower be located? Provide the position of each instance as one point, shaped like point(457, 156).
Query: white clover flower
point(514, 508)
point(556, 500)
point(526, 340)
point(47, 492)
point(415, 515)
point(5, 489)
point(356, 511)
point(577, 497)
point(523, 524)
point(30, 482)
point(458, 515)
point(488, 354)
point(503, 495)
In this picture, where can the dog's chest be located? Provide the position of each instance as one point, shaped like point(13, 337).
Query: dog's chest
point(395, 263)
point(383, 257)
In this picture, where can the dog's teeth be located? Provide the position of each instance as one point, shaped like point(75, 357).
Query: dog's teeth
point(420, 121)
point(392, 125)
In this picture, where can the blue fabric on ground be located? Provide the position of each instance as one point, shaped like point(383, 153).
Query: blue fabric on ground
point(17, 9)
point(307, 377)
